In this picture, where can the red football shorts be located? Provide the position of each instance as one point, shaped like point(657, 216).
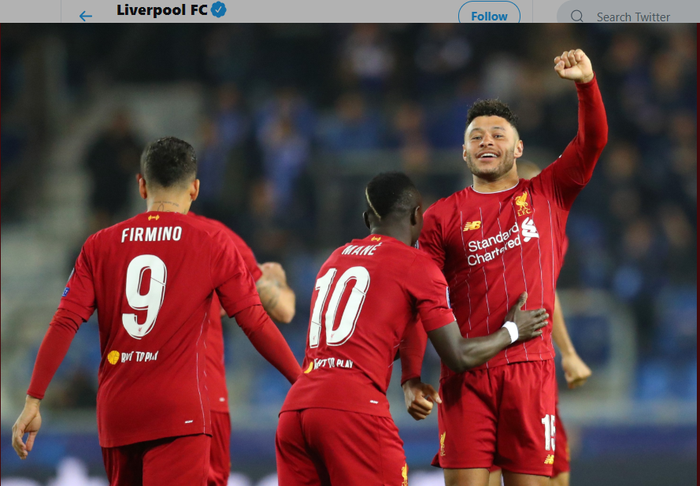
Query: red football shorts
point(175, 461)
point(220, 456)
point(320, 446)
point(503, 416)
point(561, 453)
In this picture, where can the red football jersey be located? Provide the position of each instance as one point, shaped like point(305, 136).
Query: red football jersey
point(216, 369)
point(151, 279)
point(492, 247)
point(366, 294)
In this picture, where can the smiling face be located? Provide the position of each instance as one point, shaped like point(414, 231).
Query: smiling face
point(491, 145)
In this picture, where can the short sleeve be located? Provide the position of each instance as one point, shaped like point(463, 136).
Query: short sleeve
point(233, 282)
point(430, 291)
point(79, 294)
point(430, 240)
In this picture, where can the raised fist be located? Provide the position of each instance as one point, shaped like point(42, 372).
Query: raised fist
point(574, 65)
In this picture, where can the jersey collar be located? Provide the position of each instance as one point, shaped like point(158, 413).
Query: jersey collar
point(495, 192)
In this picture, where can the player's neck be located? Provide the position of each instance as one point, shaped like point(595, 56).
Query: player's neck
point(173, 203)
point(509, 181)
point(401, 234)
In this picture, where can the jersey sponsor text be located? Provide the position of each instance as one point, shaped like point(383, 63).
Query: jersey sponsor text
point(331, 363)
point(504, 237)
point(139, 356)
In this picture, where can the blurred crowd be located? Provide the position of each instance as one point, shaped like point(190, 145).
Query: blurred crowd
point(293, 107)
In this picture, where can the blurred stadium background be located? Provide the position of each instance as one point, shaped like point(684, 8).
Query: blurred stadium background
point(289, 122)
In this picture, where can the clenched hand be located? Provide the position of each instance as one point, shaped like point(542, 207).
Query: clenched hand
point(574, 65)
point(419, 398)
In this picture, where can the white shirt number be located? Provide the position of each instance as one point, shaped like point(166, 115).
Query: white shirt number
point(352, 309)
point(151, 301)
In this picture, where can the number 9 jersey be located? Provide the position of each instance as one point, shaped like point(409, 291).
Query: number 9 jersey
point(151, 279)
point(366, 295)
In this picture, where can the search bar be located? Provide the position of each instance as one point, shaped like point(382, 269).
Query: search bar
point(644, 12)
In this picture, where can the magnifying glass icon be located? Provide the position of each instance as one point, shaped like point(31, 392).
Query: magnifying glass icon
point(576, 16)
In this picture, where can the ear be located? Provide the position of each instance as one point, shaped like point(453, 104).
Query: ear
point(416, 216)
point(519, 147)
point(464, 152)
point(143, 191)
point(194, 189)
point(365, 216)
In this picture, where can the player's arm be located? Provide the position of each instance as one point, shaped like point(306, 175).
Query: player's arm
point(76, 307)
point(267, 339)
point(411, 351)
point(52, 351)
point(277, 298)
point(572, 171)
point(412, 347)
point(419, 396)
point(270, 280)
point(575, 370)
point(236, 290)
point(460, 354)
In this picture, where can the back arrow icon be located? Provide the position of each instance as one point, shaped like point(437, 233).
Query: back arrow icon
point(82, 16)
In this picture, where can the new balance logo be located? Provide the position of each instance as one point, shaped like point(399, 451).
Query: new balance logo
point(472, 225)
point(550, 459)
point(529, 230)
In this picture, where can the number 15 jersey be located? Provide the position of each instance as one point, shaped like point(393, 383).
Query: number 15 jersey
point(366, 294)
point(151, 279)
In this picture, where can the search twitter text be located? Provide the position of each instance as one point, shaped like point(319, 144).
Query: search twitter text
point(639, 16)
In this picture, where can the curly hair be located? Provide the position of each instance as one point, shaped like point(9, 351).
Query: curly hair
point(492, 107)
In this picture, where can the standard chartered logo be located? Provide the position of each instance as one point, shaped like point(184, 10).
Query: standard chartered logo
point(494, 246)
point(529, 230)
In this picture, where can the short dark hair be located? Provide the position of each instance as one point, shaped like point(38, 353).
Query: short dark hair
point(390, 193)
point(168, 161)
point(492, 107)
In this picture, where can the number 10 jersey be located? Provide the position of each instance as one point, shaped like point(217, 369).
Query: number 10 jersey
point(366, 294)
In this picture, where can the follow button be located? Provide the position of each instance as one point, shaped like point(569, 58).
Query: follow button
point(489, 12)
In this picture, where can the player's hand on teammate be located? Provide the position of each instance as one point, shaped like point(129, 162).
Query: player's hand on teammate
point(575, 370)
point(574, 65)
point(419, 398)
point(529, 322)
point(29, 422)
